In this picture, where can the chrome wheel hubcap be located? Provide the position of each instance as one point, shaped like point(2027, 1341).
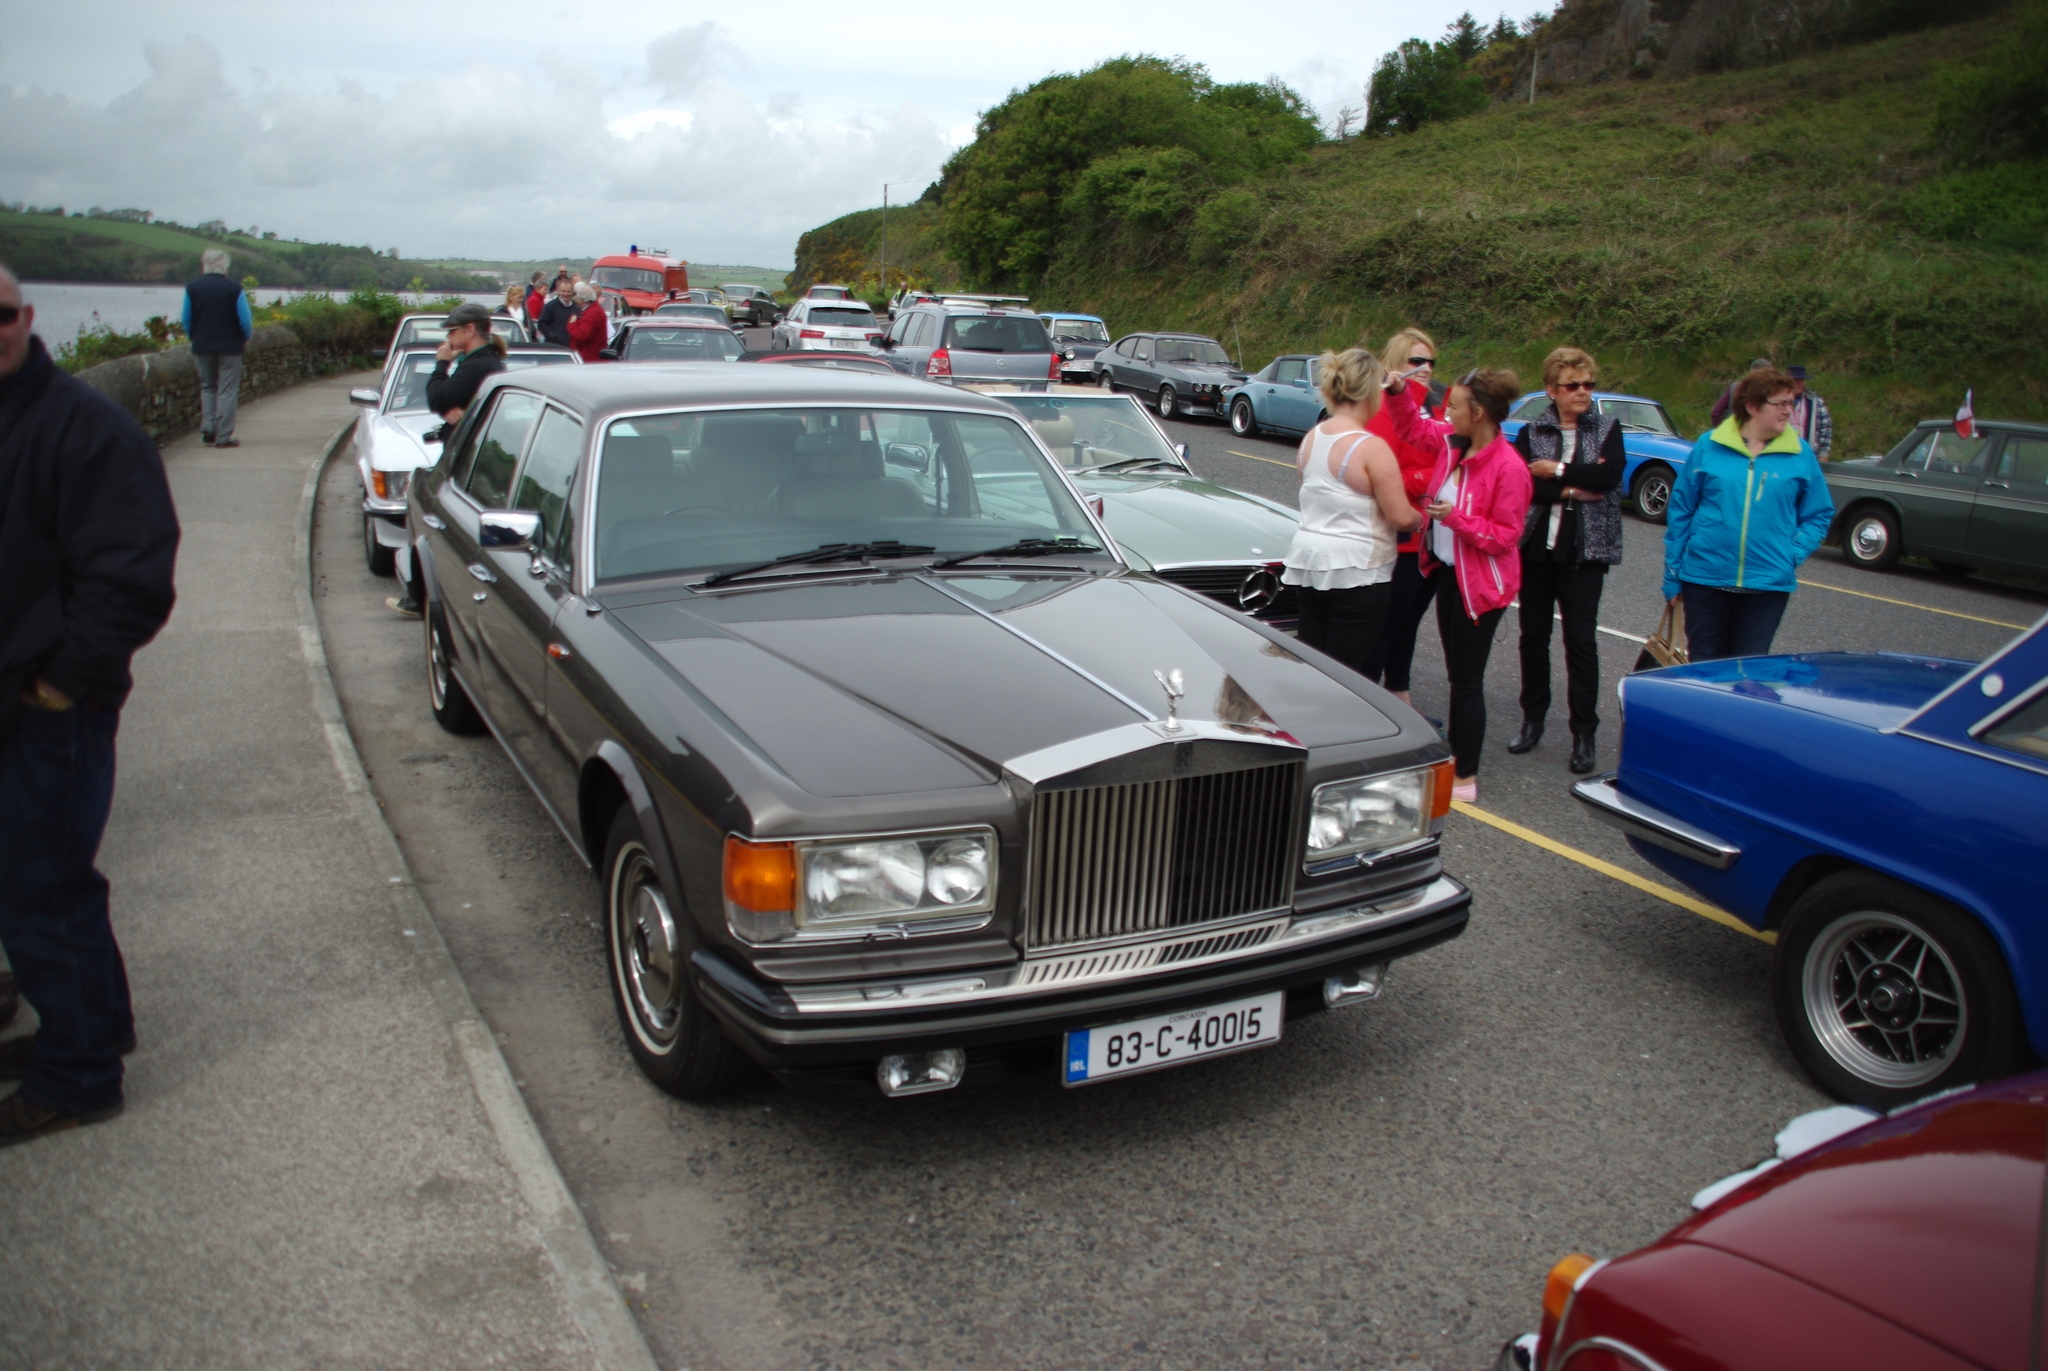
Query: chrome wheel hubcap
point(1884, 1000)
point(1655, 496)
point(647, 950)
point(1869, 538)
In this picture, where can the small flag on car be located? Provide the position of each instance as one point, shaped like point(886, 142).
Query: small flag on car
point(1966, 417)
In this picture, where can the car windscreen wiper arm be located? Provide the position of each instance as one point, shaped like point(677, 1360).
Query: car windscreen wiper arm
point(830, 552)
point(1027, 547)
point(1132, 463)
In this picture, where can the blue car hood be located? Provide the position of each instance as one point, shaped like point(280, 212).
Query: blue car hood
point(1875, 689)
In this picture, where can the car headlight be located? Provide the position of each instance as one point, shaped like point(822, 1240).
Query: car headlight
point(1376, 812)
point(389, 485)
point(780, 891)
point(1068, 354)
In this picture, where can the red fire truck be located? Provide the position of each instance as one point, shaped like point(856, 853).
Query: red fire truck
point(639, 281)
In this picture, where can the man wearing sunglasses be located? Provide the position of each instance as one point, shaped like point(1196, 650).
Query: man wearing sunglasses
point(88, 539)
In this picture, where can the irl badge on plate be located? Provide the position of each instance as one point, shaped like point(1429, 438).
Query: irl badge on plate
point(1094, 1054)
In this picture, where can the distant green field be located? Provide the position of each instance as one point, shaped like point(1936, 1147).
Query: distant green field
point(701, 273)
point(45, 247)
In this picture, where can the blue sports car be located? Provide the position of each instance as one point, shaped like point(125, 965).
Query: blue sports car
point(1886, 817)
point(1281, 399)
point(1655, 447)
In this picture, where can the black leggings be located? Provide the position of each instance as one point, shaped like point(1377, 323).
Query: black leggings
point(1344, 623)
point(1574, 591)
point(1467, 645)
point(1393, 657)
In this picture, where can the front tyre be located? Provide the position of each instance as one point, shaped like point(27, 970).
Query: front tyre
point(1871, 539)
point(382, 560)
point(1887, 994)
point(452, 707)
point(675, 1041)
point(1169, 404)
point(1243, 422)
point(1652, 493)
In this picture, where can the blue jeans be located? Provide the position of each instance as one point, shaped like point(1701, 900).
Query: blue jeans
point(1723, 623)
point(56, 786)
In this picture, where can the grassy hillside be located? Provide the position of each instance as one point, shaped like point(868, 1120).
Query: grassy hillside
point(49, 247)
point(1676, 227)
point(849, 249)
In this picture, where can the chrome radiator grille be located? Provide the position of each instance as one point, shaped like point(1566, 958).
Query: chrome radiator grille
point(1126, 860)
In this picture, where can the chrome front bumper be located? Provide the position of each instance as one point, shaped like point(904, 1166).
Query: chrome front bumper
point(1653, 825)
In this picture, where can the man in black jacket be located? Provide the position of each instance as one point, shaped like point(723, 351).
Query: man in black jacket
point(557, 312)
point(450, 394)
point(88, 539)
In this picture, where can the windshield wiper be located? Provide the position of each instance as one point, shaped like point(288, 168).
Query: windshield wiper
point(830, 552)
point(1028, 547)
point(1133, 463)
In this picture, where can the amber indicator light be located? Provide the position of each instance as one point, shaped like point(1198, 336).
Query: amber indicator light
point(760, 876)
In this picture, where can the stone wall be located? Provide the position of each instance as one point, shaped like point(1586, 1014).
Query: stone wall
point(161, 389)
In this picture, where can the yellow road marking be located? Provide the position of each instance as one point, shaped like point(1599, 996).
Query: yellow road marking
point(1622, 874)
point(1256, 458)
point(1952, 613)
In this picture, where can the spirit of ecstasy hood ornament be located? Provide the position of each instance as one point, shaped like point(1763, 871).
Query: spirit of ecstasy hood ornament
point(1174, 684)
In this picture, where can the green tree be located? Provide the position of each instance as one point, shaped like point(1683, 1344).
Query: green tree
point(1126, 150)
point(1421, 83)
point(1464, 37)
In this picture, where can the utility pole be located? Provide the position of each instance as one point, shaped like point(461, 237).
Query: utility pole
point(1535, 57)
point(884, 282)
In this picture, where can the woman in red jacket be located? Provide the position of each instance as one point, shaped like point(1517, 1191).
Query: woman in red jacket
point(1471, 549)
point(1411, 353)
point(589, 331)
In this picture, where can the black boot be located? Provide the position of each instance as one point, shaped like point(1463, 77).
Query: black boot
point(1582, 753)
point(1531, 734)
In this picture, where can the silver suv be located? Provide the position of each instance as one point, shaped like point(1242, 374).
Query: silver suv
point(971, 338)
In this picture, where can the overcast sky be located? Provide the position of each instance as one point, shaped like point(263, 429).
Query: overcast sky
point(528, 128)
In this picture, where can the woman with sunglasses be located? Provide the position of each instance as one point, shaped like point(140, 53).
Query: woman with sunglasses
point(1749, 507)
point(1478, 504)
point(1409, 358)
point(1576, 456)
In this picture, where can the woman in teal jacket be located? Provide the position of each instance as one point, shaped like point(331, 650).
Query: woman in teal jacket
point(1750, 506)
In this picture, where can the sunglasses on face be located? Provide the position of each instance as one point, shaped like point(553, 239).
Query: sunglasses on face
point(8, 314)
point(1422, 361)
point(1574, 385)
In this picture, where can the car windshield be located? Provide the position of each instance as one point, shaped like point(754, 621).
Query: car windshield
point(829, 293)
point(1198, 350)
point(689, 491)
point(1080, 330)
point(1086, 431)
point(1644, 416)
point(710, 312)
point(996, 333)
point(626, 278)
point(680, 345)
point(435, 329)
point(841, 316)
point(410, 385)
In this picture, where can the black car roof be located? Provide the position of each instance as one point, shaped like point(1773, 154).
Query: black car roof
point(601, 390)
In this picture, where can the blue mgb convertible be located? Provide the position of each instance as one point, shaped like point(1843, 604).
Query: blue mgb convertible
point(1887, 817)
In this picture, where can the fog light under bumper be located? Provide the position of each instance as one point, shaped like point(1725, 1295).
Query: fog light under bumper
point(919, 1073)
point(1355, 986)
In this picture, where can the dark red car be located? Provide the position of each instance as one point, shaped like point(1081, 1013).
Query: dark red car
point(1912, 1242)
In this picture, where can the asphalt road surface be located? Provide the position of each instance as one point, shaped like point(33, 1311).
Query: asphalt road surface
point(1386, 1186)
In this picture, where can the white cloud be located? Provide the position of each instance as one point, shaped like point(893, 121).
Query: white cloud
point(485, 161)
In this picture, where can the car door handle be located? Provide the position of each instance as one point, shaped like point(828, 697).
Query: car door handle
point(1996, 485)
point(480, 596)
point(432, 521)
point(482, 572)
point(1909, 475)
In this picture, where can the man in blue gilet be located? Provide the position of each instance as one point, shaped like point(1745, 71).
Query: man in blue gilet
point(218, 323)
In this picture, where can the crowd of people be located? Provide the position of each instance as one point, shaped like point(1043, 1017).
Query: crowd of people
point(1410, 494)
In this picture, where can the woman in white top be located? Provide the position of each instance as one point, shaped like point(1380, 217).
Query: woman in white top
point(1352, 510)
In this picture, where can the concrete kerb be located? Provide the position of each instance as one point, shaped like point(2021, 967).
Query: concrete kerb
point(586, 1280)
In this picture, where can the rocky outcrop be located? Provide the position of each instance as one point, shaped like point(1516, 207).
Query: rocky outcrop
point(161, 389)
point(1603, 40)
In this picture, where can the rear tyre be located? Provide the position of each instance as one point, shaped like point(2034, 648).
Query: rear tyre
point(1243, 422)
point(1652, 492)
point(383, 561)
point(445, 695)
point(1107, 381)
point(1870, 539)
point(1169, 406)
point(1887, 994)
point(673, 1038)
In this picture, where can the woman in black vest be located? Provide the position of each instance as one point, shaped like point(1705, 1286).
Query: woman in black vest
point(1575, 458)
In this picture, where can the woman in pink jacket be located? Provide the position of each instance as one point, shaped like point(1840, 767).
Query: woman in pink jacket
point(1478, 501)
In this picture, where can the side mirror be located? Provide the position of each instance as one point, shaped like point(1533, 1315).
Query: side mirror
point(911, 455)
point(1299, 384)
point(1180, 450)
point(609, 354)
point(364, 397)
point(886, 343)
point(507, 530)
